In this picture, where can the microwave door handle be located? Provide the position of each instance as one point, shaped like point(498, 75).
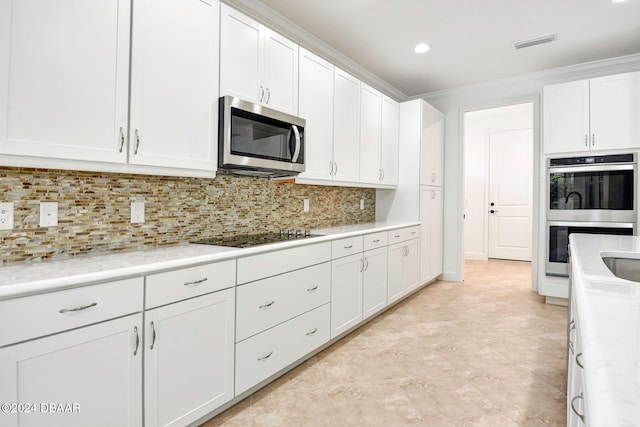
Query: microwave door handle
point(296, 152)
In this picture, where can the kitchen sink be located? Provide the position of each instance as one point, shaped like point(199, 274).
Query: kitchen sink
point(624, 268)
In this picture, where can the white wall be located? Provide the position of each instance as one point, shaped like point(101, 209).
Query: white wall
point(478, 126)
point(454, 103)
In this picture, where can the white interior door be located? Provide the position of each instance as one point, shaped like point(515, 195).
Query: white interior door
point(510, 194)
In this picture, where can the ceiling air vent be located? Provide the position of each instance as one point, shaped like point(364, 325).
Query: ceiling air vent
point(532, 42)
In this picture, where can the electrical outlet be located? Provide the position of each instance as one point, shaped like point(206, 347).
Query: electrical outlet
point(305, 205)
point(361, 203)
point(6, 216)
point(48, 214)
point(137, 212)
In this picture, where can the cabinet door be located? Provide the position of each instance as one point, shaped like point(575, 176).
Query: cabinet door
point(390, 132)
point(281, 72)
point(615, 111)
point(370, 134)
point(174, 84)
point(64, 70)
point(241, 61)
point(95, 372)
point(431, 223)
point(411, 265)
point(346, 125)
point(346, 293)
point(374, 295)
point(565, 117)
point(432, 146)
point(395, 285)
point(316, 107)
point(189, 358)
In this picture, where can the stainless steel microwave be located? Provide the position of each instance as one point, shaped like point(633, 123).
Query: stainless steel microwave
point(259, 141)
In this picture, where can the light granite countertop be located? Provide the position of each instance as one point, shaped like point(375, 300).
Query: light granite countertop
point(609, 322)
point(28, 278)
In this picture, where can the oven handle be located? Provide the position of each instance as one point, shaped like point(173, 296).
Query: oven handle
point(599, 168)
point(296, 152)
point(590, 224)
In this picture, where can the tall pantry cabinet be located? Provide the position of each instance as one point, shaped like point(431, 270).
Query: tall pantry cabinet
point(419, 196)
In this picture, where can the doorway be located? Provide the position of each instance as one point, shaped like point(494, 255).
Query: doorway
point(498, 182)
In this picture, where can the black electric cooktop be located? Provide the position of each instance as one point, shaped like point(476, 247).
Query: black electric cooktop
point(249, 240)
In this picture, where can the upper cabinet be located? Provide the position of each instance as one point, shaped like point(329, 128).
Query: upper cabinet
point(346, 127)
point(389, 141)
point(257, 64)
point(432, 163)
point(64, 85)
point(64, 69)
point(370, 134)
point(174, 84)
point(595, 114)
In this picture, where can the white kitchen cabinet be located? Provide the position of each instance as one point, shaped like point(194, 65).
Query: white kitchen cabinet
point(346, 127)
point(390, 141)
point(432, 139)
point(431, 236)
point(370, 134)
point(94, 372)
point(346, 293)
point(64, 69)
point(403, 269)
point(257, 64)
point(174, 84)
point(315, 105)
point(189, 358)
point(374, 292)
point(577, 414)
point(594, 114)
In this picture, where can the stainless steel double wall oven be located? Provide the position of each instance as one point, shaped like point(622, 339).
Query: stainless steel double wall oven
point(593, 194)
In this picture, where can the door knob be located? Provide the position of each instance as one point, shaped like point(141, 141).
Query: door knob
point(492, 211)
point(492, 204)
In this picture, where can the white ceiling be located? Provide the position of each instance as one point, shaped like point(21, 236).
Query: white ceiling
point(471, 40)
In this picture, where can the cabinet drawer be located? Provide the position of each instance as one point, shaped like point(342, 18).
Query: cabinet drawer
point(273, 263)
point(261, 356)
point(345, 247)
point(176, 285)
point(375, 240)
point(403, 234)
point(39, 315)
point(269, 302)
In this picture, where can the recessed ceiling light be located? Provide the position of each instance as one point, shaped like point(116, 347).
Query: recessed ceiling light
point(618, 1)
point(421, 48)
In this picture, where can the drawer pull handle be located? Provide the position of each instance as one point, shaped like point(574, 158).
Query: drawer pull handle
point(413, 232)
point(376, 241)
point(135, 329)
point(84, 307)
point(570, 345)
point(196, 282)
point(348, 247)
point(573, 408)
point(397, 236)
point(263, 306)
point(153, 336)
point(260, 359)
point(312, 289)
point(578, 361)
point(312, 332)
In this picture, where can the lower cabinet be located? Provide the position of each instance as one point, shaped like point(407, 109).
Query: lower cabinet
point(346, 293)
point(91, 376)
point(404, 269)
point(189, 357)
point(263, 355)
point(374, 294)
point(577, 415)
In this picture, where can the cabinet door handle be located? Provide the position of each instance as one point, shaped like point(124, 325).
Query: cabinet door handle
point(586, 140)
point(81, 308)
point(336, 171)
point(121, 139)
point(433, 177)
point(312, 332)
point(397, 236)
point(348, 247)
point(331, 171)
point(261, 93)
point(593, 139)
point(433, 195)
point(361, 265)
point(573, 408)
point(267, 305)
point(382, 175)
point(376, 241)
point(312, 289)
point(153, 336)
point(366, 264)
point(196, 282)
point(268, 95)
point(260, 359)
point(135, 330)
point(579, 361)
point(135, 151)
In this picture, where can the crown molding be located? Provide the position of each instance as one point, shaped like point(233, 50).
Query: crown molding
point(267, 16)
point(621, 64)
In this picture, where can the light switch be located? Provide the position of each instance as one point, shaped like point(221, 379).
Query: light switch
point(48, 214)
point(305, 205)
point(361, 203)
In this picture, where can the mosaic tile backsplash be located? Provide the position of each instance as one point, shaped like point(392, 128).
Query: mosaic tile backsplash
point(94, 210)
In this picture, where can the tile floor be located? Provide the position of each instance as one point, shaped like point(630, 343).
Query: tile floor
point(488, 352)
